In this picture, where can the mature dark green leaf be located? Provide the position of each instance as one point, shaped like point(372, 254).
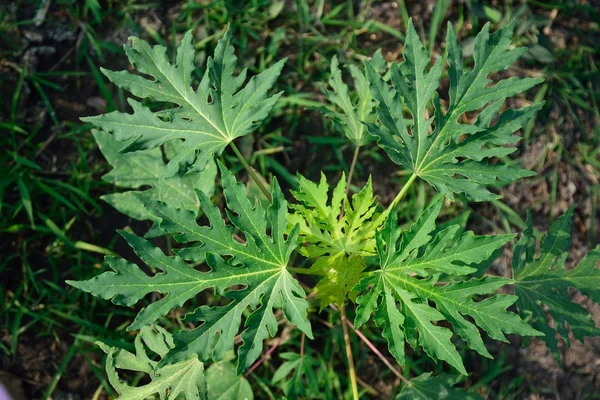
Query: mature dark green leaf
point(400, 291)
point(146, 168)
point(259, 266)
point(208, 118)
point(427, 387)
point(450, 155)
point(545, 281)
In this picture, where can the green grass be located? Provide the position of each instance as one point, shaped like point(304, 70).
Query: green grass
point(54, 227)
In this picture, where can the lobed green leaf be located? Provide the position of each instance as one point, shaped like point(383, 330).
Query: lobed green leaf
point(147, 168)
point(399, 293)
point(336, 234)
point(183, 380)
point(545, 281)
point(452, 156)
point(329, 231)
point(258, 266)
point(208, 118)
point(349, 115)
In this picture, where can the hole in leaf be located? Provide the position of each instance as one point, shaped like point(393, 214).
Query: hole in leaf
point(203, 267)
point(235, 288)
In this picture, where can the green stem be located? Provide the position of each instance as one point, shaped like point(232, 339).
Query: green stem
point(250, 171)
point(350, 173)
point(404, 190)
point(398, 197)
point(352, 167)
point(351, 370)
point(303, 271)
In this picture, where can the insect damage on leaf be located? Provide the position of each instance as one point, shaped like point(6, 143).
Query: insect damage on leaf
point(399, 292)
point(450, 155)
point(207, 118)
point(545, 281)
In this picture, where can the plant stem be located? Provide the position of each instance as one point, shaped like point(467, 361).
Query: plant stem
point(250, 171)
point(368, 388)
point(351, 370)
point(352, 167)
point(378, 353)
point(266, 355)
point(397, 199)
point(404, 190)
point(350, 173)
point(303, 271)
point(371, 346)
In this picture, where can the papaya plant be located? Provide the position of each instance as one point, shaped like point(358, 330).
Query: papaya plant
point(422, 286)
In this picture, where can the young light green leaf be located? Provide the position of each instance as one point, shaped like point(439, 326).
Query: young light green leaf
point(225, 384)
point(398, 294)
point(259, 265)
point(304, 380)
point(208, 118)
point(337, 241)
point(320, 223)
point(427, 387)
point(349, 115)
point(183, 380)
point(452, 156)
point(147, 168)
point(340, 275)
point(545, 281)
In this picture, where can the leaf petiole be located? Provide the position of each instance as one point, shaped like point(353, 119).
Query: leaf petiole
point(303, 271)
point(352, 167)
point(397, 199)
point(402, 192)
point(250, 171)
point(350, 173)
